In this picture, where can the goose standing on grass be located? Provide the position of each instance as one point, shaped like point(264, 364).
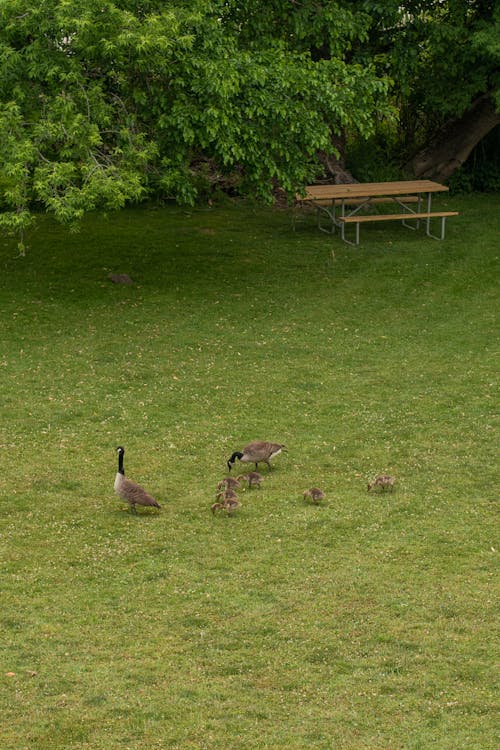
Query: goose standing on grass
point(129, 491)
point(259, 451)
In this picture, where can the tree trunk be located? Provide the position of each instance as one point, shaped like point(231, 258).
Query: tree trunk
point(335, 168)
point(455, 141)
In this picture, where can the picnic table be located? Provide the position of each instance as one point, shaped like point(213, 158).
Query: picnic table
point(343, 205)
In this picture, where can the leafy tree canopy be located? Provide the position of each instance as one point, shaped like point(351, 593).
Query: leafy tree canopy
point(442, 54)
point(104, 102)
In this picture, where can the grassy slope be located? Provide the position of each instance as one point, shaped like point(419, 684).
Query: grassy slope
point(367, 622)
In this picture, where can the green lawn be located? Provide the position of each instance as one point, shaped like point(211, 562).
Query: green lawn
point(367, 621)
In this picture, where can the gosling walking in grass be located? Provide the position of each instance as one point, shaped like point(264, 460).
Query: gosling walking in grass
point(315, 494)
point(129, 491)
point(229, 483)
point(253, 478)
point(227, 494)
point(383, 481)
point(228, 505)
point(228, 502)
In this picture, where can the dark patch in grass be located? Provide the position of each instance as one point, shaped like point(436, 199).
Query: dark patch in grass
point(96, 700)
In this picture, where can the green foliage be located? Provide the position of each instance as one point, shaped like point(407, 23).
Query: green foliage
point(377, 158)
point(442, 56)
point(368, 622)
point(324, 28)
point(103, 103)
point(107, 103)
point(481, 171)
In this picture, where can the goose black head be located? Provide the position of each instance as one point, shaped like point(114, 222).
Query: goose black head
point(120, 450)
point(233, 458)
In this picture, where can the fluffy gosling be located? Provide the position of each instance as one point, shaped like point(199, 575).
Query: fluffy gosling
point(315, 494)
point(229, 505)
point(253, 478)
point(229, 483)
point(384, 481)
point(227, 494)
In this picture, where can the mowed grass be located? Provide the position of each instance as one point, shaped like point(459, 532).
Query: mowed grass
point(368, 621)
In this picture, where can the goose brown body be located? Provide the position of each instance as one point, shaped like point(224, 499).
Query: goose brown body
point(258, 451)
point(130, 491)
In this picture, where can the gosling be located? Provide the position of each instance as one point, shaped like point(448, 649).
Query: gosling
point(229, 483)
point(384, 481)
point(227, 494)
point(315, 494)
point(229, 505)
point(253, 478)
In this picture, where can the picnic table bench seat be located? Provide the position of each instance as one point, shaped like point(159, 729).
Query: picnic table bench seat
point(347, 204)
point(403, 217)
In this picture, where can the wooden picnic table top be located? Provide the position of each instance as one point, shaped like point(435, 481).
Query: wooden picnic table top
point(370, 189)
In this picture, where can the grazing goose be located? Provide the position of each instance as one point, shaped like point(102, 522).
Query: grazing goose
point(384, 481)
point(315, 494)
point(133, 493)
point(253, 478)
point(256, 452)
point(229, 483)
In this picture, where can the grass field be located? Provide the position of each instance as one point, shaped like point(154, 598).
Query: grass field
point(368, 621)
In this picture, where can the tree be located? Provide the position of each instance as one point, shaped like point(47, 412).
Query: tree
point(444, 58)
point(104, 102)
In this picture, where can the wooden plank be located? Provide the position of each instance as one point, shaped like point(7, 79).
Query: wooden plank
point(389, 217)
point(359, 201)
point(371, 189)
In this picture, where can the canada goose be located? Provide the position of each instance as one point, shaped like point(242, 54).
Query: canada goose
point(133, 493)
point(253, 478)
point(256, 452)
point(229, 483)
point(385, 481)
point(315, 494)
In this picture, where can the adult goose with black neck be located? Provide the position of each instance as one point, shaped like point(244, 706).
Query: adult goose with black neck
point(259, 451)
point(129, 491)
